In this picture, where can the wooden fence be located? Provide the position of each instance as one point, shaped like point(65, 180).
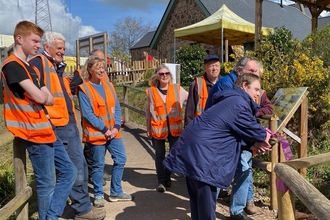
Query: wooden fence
point(133, 74)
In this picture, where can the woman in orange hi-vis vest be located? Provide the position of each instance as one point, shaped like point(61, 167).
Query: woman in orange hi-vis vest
point(101, 119)
point(164, 118)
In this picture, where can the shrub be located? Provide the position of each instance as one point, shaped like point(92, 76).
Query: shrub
point(7, 183)
point(318, 45)
point(191, 60)
point(287, 63)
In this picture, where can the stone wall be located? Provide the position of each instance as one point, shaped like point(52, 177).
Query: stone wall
point(186, 12)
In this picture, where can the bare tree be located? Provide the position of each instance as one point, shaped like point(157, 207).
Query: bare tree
point(127, 32)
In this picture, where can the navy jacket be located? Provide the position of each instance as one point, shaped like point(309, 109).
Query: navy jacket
point(225, 83)
point(209, 147)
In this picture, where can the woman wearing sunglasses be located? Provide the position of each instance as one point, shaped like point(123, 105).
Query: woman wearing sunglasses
point(164, 118)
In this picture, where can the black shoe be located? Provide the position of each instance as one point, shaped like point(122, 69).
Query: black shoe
point(240, 216)
point(161, 188)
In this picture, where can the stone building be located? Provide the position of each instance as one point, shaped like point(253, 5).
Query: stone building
point(180, 13)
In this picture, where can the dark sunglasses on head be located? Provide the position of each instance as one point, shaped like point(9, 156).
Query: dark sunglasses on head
point(163, 74)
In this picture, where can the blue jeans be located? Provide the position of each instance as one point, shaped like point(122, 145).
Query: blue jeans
point(51, 194)
point(202, 199)
point(79, 195)
point(118, 154)
point(242, 186)
point(159, 146)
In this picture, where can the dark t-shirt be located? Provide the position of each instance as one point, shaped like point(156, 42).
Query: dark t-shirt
point(15, 74)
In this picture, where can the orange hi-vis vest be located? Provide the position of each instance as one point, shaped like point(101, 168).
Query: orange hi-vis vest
point(23, 117)
point(258, 98)
point(58, 112)
point(165, 116)
point(202, 93)
point(104, 109)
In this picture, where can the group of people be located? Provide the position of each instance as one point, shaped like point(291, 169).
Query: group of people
point(40, 112)
point(214, 148)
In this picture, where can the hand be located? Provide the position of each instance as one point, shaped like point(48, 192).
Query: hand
point(148, 133)
point(261, 147)
point(114, 133)
point(108, 135)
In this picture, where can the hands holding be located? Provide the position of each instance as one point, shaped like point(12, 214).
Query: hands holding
point(111, 134)
point(262, 147)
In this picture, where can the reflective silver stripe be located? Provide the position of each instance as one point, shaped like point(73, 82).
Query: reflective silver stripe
point(20, 107)
point(161, 130)
point(57, 94)
point(31, 107)
point(88, 94)
point(199, 82)
point(152, 106)
point(174, 114)
point(22, 125)
point(112, 115)
point(176, 127)
point(47, 70)
point(93, 134)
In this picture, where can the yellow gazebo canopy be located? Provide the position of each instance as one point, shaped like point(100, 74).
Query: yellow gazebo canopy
point(209, 31)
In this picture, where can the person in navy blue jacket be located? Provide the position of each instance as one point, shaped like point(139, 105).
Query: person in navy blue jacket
point(208, 149)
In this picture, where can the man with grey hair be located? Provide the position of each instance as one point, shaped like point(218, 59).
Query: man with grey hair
point(62, 114)
point(245, 64)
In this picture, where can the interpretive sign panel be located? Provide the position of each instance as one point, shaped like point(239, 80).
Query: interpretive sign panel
point(285, 102)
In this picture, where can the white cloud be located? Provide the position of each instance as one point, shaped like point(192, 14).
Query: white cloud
point(62, 21)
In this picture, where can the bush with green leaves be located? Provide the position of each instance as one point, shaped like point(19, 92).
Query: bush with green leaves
point(7, 183)
point(190, 58)
point(287, 63)
point(318, 44)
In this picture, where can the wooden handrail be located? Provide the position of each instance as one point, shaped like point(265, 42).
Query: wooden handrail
point(308, 161)
point(316, 202)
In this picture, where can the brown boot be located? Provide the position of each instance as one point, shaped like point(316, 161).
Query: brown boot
point(250, 208)
point(94, 214)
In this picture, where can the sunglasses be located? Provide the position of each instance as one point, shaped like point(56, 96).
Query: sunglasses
point(163, 74)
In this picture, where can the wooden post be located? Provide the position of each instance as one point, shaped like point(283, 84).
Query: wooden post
point(77, 55)
point(20, 177)
point(258, 22)
point(126, 102)
point(303, 128)
point(273, 124)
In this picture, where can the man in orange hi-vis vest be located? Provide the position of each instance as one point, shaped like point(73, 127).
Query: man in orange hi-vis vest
point(25, 98)
point(199, 88)
point(62, 114)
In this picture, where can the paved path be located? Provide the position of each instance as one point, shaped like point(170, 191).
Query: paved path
point(140, 180)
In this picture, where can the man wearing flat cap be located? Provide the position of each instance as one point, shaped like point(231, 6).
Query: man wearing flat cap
point(199, 88)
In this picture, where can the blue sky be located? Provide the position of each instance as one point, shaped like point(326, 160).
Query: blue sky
point(102, 14)
point(79, 18)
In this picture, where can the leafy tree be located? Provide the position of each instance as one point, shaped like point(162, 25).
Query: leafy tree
point(127, 31)
point(190, 59)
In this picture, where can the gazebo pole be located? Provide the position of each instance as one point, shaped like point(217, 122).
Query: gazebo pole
point(221, 44)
